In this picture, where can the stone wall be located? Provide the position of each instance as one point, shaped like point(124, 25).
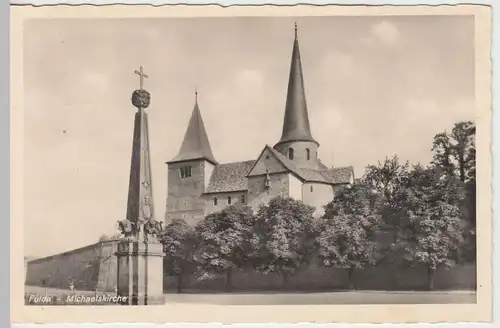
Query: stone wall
point(258, 194)
point(183, 199)
point(223, 200)
point(267, 162)
point(317, 195)
point(94, 267)
point(295, 187)
point(89, 267)
point(300, 153)
point(462, 277)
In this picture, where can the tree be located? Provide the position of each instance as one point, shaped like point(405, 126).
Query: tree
point(455, 154)
point(387, 183)
point(386, 178)
point(285, 230)
point(463, 135)
point(225, 241)
point(443, 152)
point(431, 232)
point(179, 244)
point(347, 237)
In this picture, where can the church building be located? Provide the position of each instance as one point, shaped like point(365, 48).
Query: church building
point(198, 185)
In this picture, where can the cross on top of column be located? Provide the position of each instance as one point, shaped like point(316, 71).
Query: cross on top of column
point(142, 75)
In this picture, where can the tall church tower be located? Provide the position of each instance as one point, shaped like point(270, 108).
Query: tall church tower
point(296, 142)
point(189, 172)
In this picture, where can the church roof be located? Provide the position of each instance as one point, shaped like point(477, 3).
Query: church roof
point(312, 175)
point(326, 175)
point(290, 165)
point(229, 177)
point(195, 144)
point(296, 125)
point(332, 176)
point(339, 174)
point(321, 165)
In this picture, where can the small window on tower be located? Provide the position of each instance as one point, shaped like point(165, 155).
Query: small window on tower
point(215, 201)
point(308, 154)
point(185, 172)
point(243, 200)
point(229, 200)
point(290, 153)
point(311, 188)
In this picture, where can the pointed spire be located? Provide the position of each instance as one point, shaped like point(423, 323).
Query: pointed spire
point(196, 144)
point(140, 192)
point(296, 122)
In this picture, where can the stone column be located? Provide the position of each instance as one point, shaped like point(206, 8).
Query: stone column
point(139, 253)
point(140, 273)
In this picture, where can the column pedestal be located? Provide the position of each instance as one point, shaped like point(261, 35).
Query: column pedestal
point(140, 273)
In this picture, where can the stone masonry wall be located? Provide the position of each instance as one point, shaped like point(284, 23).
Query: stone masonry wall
point(89, 267)
point(94, 267)
point(317, 195)
point(223, 200)
point(300, 154)
point(183, 195)
point(258, 194)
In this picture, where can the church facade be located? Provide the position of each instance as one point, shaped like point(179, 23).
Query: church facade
point(198, 185)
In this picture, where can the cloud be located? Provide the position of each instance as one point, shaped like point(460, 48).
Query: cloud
point(384, 32)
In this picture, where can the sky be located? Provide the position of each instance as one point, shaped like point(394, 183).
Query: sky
point(375, 87)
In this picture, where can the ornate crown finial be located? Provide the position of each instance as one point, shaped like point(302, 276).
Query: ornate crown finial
point(196, 94)
point(295, 28)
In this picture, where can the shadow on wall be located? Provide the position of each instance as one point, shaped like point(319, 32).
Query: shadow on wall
point(90, 268)
point(461, 277)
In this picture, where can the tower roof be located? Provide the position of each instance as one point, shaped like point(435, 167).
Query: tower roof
point(296, 122)
point(195, 144)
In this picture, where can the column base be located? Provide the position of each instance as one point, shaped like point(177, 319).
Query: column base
point(140, 273)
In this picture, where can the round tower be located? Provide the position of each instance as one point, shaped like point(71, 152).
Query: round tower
point(296, 142)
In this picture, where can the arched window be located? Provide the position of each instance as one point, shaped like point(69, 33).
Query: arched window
point(229, 200)
point(290, 153)
point(215, 201)
point(311, 188)
point(308, 154)
point(243, 200)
